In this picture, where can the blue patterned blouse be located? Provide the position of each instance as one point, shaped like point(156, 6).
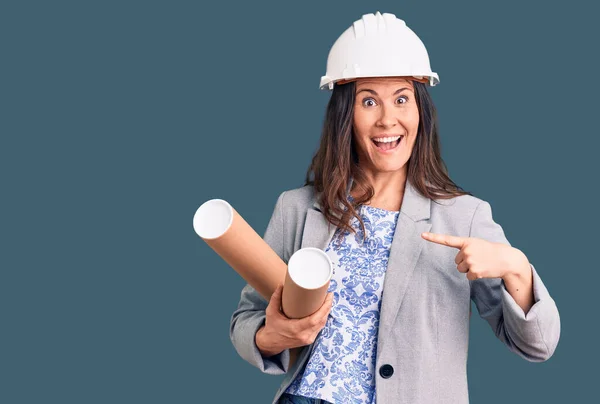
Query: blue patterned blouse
point(341, 367)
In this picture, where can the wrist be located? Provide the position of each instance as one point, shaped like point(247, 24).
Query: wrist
point(265, 344)
point(519, 266)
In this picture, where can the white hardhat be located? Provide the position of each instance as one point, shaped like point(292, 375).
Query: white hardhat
point(378, 46)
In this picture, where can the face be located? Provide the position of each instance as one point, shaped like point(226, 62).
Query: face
point(384, 109)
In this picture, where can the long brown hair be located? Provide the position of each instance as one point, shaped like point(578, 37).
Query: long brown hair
point(336, 160)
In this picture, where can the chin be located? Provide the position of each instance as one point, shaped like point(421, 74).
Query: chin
point(391, 169)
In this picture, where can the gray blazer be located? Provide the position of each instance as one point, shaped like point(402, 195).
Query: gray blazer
point(426, 301)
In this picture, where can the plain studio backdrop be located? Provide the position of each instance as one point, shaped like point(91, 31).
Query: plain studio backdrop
point(119, 119)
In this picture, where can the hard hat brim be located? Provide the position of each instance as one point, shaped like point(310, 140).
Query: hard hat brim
point(431, 80)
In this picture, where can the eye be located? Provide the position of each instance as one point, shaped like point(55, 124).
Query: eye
point(367, 99)
point(372, 101)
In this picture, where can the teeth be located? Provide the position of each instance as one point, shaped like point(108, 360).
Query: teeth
point(386, 139)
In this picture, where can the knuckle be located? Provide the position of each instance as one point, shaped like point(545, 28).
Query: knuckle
point(296, 330)
point(303, 339)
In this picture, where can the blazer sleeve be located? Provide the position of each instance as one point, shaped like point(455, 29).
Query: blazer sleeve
point(533, 336)
point(250, 313)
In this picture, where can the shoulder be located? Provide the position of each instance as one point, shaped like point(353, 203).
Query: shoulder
point(298, 199)
point(458, 204)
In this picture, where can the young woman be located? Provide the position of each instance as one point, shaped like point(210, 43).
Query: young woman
point(410, 248)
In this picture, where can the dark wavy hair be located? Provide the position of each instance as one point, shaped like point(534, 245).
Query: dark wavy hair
point(336, 160)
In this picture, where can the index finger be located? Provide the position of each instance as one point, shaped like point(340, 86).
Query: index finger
point(445, 239)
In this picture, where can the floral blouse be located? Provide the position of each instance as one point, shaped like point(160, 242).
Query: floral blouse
point(341, 367)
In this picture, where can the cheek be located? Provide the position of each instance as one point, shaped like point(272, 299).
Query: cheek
point(414, 120)
point(359, 122)
point(361, 130)
point(360, 142)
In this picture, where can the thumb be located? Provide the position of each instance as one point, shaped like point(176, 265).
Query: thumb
point(275, 301)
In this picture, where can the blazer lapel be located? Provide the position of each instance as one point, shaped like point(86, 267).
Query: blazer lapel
point(317, 230)
point(406, 247)
point(407, 244)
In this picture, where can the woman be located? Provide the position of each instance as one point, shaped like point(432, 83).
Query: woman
point(410, 248)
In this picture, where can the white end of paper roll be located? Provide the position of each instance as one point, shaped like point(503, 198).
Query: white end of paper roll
point(310, 268)
point(213, 218)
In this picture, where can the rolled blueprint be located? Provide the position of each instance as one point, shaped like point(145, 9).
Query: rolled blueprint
point(230, 236)
point(306, 282)
point(305, 278)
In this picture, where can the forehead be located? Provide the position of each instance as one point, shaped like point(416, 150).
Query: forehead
point(383, 83)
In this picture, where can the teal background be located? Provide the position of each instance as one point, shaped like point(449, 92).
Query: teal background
point(120, 118)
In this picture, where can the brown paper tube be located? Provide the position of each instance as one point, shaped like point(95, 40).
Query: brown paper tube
point(306, 282)
point(230, 236)
point(307, 268)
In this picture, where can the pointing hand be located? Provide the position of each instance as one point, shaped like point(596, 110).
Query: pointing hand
point(480, 258)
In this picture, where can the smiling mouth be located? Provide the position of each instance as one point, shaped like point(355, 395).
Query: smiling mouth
point(387, 146)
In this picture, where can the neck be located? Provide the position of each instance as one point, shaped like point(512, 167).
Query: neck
point(389, 189)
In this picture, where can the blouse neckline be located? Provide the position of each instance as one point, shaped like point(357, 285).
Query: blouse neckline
point(375, 208)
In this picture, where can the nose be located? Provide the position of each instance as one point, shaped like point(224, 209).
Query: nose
point(387, 117)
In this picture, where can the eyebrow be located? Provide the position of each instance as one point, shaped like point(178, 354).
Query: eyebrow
point(375, 93)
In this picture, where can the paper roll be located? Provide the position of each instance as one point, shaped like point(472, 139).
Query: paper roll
point(230, 236)
point(306, 282)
